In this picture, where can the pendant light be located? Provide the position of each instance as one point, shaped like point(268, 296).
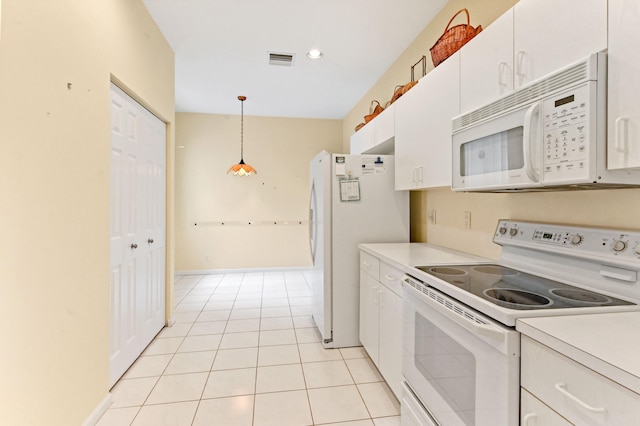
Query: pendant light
point(242, 169)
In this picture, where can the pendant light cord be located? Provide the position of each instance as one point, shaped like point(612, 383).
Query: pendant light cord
point(242, 98)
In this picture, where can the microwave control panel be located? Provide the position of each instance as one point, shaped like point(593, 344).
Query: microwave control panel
point(566, 135)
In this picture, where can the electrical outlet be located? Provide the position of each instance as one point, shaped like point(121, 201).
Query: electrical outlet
point(467, 220)
point(431, 216)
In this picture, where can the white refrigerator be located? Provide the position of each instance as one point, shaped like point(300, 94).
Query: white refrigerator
point(352, 201)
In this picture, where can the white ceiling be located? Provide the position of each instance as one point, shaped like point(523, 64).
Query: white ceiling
point(222, 50)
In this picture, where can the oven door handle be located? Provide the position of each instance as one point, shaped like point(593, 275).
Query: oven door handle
point(486, 330)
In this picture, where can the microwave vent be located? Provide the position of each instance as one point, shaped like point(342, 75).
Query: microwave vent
point(563, 79)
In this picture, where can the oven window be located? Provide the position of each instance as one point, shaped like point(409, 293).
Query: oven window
point(499, 152)
point(447, 366)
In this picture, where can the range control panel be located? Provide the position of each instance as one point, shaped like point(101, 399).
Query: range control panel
point(597, 242)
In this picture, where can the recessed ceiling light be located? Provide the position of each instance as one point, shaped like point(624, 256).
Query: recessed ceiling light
point(315, 54)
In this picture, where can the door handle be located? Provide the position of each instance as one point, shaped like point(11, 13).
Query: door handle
point(562, 388)
point(519, 64)
point(134, 246)
point(150, 241)
point(501, 68)
point(621, 134)
point(528, 148)
point(526, 419)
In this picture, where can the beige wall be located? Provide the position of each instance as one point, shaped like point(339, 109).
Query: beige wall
point(280, 149)
point(608, 208)
point(617, 208)
point(482, 12)
point(54, 193)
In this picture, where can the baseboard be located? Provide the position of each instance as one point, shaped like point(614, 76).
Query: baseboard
point(170, 321)
point(241, 270)
point(97, 413)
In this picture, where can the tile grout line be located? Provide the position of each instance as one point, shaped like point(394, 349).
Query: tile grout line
point(276, 286)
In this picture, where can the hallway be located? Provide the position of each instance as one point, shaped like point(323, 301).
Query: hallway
point(244, 351)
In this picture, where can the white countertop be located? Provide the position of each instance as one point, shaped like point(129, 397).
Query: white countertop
point(607, 343)
point(407, 255)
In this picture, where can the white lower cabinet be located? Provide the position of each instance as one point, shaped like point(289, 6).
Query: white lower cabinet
point(390, 339)
point(534, 412)
point(369, 315)
point(573, 392)
point(381, 318)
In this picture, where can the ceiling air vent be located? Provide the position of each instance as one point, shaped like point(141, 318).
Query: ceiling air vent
point(283, 59)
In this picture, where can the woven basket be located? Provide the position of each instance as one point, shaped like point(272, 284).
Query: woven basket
point(404, 88)
point(374, 109)
point(453, 39)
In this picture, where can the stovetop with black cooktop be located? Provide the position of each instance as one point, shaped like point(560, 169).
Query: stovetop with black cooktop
point(518, 290)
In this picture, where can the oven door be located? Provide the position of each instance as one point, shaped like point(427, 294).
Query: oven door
point(462, 366)
point(504, 152)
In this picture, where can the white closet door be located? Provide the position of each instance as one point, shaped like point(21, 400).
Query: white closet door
point(153, 211)
point(138, 176)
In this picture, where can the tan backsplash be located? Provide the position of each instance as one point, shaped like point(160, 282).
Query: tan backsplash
point(619, 208)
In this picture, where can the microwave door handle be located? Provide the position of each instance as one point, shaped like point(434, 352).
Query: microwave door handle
point(528, 144)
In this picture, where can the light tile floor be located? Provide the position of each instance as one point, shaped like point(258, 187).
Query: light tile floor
point(244, 351)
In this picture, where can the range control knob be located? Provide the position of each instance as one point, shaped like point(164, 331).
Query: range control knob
point(618, 246)
point(513, 232)
point(502, 230)
point(575, 239)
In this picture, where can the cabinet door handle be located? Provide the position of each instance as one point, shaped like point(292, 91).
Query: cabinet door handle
point(561, 387)
point(134, 246)
point(365, 263)
point(527, 418)
point(519, 64)
point(390, 277)
point(374, 295)
point(150, 241)
point(621, 136)
point(501, 68)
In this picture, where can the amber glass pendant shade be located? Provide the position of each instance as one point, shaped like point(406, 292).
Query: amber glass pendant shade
point(242, 168)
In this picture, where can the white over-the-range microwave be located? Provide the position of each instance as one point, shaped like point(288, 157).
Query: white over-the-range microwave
point(548, 135)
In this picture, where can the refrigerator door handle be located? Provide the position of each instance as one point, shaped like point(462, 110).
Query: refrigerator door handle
point(312, 224)
point(311, 234)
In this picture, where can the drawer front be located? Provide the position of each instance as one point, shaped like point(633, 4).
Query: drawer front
point(370, 264)
point(534, 413)
point(576, 392)
point(391, 277)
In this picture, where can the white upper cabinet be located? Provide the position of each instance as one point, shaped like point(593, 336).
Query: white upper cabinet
point(423, 128)
point(549, 34)
point(376, 137)
point(623, 85)
point(531, 40)
point(486, 64)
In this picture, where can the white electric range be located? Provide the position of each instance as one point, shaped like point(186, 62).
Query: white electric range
point(461, 351)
